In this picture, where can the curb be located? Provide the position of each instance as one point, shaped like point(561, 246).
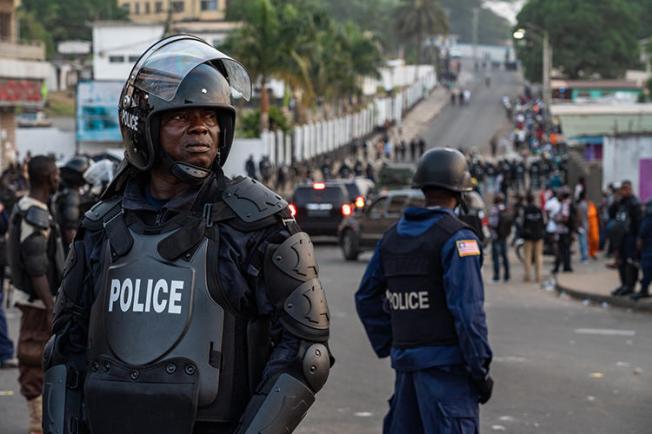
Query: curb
point(621, 302)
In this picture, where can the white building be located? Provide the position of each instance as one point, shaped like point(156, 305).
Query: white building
point(117, 45)
point(629, 157)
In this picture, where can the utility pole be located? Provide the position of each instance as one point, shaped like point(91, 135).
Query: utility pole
point(474, 27)
point(547, 70)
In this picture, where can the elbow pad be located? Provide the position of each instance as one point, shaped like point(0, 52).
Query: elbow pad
point(291, 278)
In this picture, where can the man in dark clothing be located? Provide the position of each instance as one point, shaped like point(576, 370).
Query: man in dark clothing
point(645, 249)
point(416, 309)
point(250, 167)
point(500, 224)
point(565, 226)
point(35, 254)
point(422, 146)
point(532, 230)
point(7, 360)
point(191, 302)
point(628, 221)
point(413, 149)
point(358, 168)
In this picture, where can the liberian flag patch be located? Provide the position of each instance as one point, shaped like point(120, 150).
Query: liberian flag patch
point(468, 248)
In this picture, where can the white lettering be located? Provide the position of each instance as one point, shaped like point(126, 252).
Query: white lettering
point(114, 295)
point(160, 296)
point(128, 291)
point(424, 302)
point(148, 297)
point(138, 307)
point(161, 285)
point(130, 120)
point(175, 296)
point(409, 300)
point(413, 300)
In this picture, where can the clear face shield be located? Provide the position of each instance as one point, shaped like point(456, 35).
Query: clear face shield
point(162, 68)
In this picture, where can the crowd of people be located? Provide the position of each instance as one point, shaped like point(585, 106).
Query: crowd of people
point(362, 159)
point(536, 209)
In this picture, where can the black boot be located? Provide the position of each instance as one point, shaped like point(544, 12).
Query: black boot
point(627, 290)
point(644, 293)
point(617, 290)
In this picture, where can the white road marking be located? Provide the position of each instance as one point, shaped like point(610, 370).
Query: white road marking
point(363, 414)
point(605, 332)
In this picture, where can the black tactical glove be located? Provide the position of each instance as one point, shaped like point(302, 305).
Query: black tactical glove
point(484, 387)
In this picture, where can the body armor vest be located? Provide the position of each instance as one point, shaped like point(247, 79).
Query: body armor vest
point(415, 286)
point(157, 334)
point(37, 219)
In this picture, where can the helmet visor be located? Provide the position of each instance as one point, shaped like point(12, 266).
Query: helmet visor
point(163, 67)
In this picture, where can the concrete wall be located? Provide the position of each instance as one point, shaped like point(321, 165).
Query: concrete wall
point(629, 157)
point(127, 41)
point(240, 151)
point(40, 141)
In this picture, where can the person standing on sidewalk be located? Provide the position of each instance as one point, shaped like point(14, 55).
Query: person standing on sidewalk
point(645, 248)
point(35, 254)
point(627, 221)
point(500, 223)
point(417, 309)
point(533, 230)
point(583, 225)
point(565, 226)
point(7, 360)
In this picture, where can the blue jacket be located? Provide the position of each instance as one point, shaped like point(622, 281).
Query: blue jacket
point(464, 296)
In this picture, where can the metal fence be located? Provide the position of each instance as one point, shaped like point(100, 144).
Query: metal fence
point(307, 141)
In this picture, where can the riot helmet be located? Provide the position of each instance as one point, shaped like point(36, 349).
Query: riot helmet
point(72, 172)
point(178, 72)
point(443, 168)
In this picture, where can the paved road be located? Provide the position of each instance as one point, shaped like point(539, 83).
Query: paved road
point(560, 367)
point(473, 125)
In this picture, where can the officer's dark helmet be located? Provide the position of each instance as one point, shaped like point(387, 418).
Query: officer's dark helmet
point(72, 172)
point(443, 168)
point(180, 71)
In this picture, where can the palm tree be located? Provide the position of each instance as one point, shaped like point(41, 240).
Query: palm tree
point(257, 45)
point(416, 19)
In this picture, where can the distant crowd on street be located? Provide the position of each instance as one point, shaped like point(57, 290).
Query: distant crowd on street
point(534, 206)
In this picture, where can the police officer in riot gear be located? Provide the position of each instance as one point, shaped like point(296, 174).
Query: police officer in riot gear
point(70, 202)
point(191, 302)
point(421, 302)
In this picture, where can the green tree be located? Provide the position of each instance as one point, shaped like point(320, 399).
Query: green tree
point(588, 37)
point(418, 19)
point(298, 42)
point(54, 21)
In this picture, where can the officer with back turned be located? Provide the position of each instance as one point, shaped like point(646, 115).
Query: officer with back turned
point(191, 302)
point(421, 302)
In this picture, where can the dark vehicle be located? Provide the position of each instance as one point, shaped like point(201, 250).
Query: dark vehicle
point(319, 207)
point(358, 190)
point(361, 231)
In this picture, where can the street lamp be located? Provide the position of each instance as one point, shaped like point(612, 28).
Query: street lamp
point(520, 34)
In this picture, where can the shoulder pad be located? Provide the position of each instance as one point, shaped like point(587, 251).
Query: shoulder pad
point(251, 201)
point(37, 216)
point(101, 211)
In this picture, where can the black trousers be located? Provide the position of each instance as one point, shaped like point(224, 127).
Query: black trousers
point(563, 256)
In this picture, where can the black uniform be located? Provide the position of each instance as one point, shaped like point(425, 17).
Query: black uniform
point(203, 313)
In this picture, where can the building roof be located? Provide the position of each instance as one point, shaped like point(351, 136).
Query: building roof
point(600, 119)
point(601, 109)
point(206, 26)
point(595, 84)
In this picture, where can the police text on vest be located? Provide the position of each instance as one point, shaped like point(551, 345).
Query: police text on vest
point(409, 300)
point(159, 296)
